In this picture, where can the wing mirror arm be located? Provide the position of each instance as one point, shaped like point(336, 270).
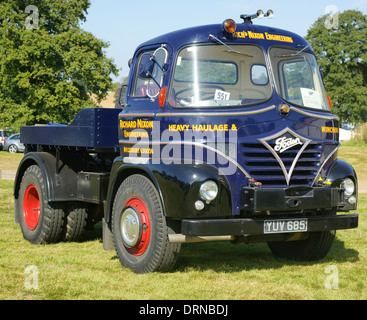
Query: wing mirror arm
point(150, 76)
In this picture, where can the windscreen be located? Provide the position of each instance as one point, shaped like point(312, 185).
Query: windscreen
point(220, 76)
point(298, 79)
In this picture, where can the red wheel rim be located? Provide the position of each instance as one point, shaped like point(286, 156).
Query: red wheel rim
point(31, 207)
point(142, 246)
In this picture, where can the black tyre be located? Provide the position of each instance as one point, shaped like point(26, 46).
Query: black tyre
point(75, 223)
point(41, 222)
point(139, 228)
point(314, 248)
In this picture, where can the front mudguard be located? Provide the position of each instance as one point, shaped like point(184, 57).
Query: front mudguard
point(339, 171)
point(178, 186)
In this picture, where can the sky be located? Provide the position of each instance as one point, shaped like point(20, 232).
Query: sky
point(126, 24)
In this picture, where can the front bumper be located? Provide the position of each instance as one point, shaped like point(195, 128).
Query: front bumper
point(248, 227)
point(291, 199)
point(306, 206)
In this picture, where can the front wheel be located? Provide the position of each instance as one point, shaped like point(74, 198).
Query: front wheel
point(139, 228)
point(314, 248)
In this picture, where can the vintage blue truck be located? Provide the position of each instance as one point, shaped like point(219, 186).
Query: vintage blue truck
point(225, 133)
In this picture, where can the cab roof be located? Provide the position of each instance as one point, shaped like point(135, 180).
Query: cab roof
point(245, 33)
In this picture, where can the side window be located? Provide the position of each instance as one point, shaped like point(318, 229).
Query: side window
point(150, 73)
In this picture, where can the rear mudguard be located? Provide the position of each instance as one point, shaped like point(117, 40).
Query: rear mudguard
point(60, 179)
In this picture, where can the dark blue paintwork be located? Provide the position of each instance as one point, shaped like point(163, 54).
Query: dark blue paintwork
point(254, 125)
point(200, 34)
point(91, 128)
point(254, 122)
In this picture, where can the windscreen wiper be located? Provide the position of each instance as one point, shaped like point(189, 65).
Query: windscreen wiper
point(289, 55)
point(292, 55)
point(211, 37)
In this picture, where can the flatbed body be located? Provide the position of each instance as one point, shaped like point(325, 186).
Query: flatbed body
point(93, 128)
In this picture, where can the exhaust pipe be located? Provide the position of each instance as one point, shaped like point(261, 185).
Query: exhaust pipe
point(181, 238)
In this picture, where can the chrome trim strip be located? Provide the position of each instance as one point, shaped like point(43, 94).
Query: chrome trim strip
point(287, 175)
point(324, 163)
point(138, 115)
point(310, 114)
point(215, 114)
point(196, 114)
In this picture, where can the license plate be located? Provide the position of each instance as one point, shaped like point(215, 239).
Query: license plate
point(285, 226)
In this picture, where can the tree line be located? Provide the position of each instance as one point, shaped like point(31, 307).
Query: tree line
point(50, 67)
point(341, 51)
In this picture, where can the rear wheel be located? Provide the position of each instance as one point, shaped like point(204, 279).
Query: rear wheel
point(41, 222)
point(139, 228)
point(75, 223)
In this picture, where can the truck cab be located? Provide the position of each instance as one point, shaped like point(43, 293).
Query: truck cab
point(225, 133)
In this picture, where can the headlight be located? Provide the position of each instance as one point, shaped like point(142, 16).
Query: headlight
point(348, 186)
point(209, 191)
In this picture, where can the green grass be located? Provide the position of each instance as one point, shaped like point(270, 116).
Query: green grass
point(211, 271)
point(356, 155)
point(9, 161)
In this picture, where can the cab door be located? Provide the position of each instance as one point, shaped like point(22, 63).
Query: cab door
point(147, 77)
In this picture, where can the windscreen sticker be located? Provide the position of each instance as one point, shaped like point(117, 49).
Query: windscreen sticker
point(221, 95)
point(311, 98)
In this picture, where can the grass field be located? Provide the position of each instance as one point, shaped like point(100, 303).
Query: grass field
point(215, 271)
point(357, 157)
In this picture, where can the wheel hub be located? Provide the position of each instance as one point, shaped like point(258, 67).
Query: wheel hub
point(135, 227)
point(131, 227)
point(31, 207)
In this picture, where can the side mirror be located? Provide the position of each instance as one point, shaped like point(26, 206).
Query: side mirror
point(119, 101)
point(146, 67)
point(159, 59)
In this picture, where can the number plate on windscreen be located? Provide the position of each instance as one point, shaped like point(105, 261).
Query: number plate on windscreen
point(285, 226)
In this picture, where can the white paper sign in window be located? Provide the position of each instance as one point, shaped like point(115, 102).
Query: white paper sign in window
point(311, 98)
point(221, 95)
